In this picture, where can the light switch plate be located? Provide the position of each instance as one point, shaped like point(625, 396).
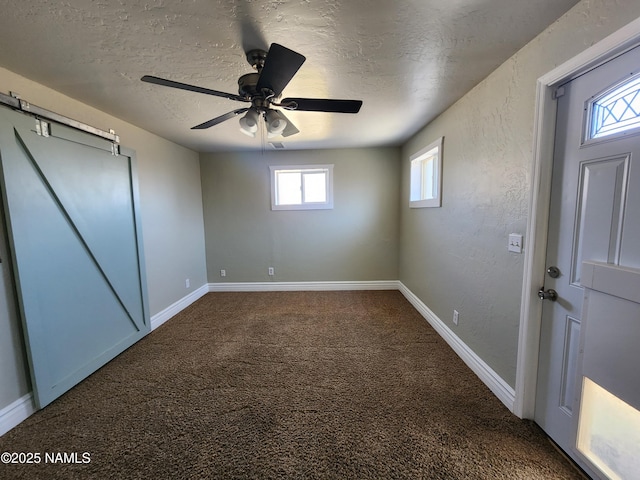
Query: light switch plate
point(515, 242)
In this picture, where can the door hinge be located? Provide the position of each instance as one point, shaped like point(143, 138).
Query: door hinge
point(42, 128)
point(559, 92)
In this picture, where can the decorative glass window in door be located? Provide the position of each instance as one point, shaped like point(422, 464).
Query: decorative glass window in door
point(616, 111)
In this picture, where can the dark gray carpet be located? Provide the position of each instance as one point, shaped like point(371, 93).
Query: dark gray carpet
point(319, 385)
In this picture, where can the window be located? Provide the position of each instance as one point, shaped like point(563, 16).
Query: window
point(301, 188)
point(616, 111)
point(426, 181)
point(608, 432)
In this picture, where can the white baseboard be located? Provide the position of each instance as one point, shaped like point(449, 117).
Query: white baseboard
point(489, 377)
point(161, 317)
point(302, 286)
point(16, 412)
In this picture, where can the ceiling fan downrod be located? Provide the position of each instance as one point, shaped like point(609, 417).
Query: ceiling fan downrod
point(256, 59)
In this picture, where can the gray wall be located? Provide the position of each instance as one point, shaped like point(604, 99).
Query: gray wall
point(171, 211)
point(357, 240)
point(13, 363)
point(456, 257)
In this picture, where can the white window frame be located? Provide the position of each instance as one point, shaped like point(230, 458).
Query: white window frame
point(309, 169)
point(422, 195)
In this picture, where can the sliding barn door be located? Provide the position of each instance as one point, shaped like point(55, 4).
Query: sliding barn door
point(74, 231)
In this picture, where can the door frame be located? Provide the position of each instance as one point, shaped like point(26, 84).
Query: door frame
point(539, 202)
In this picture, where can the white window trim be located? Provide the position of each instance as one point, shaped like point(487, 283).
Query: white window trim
point(328, 205)
point(437, 200)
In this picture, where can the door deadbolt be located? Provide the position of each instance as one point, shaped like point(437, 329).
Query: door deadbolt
point(550, 294)
point(553, 272)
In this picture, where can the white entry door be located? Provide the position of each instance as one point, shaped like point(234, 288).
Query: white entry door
point(594, 215)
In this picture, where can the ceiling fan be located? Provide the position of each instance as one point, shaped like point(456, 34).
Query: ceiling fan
point(262, 89)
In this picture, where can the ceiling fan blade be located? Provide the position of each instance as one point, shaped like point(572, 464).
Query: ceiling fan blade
point(192, 88)
point(279, 68)
point(322, 105)
point(220, 119)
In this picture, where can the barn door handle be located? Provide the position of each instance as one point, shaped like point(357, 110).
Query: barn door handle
point(550, 294)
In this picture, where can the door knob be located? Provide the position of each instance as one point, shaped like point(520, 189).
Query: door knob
point(550, 294)
point(553, 272)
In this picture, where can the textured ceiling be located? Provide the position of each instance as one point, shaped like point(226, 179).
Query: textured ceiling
point(407, 60)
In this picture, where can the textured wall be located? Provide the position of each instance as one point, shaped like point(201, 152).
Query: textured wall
point(456, 257)
point(14, 382)
point(357, 240)
point(171, 209)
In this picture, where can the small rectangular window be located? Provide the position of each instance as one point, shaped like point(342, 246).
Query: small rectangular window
point(426, 181)
point(301, 188)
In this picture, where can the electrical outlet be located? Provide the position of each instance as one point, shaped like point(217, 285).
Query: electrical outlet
point(271, 272)
point(187, 283)
point(455, 317)
point(223, 273)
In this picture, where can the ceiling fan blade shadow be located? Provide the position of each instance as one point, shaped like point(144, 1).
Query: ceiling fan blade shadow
point(252, 38)
point(323, 105)
point(192, 88)
point(220, 119)
point(279, 68)
point(250, 34)
point(290, 129)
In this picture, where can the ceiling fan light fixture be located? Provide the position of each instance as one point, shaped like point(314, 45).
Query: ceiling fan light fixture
point(249, 123)
point(276, 123)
